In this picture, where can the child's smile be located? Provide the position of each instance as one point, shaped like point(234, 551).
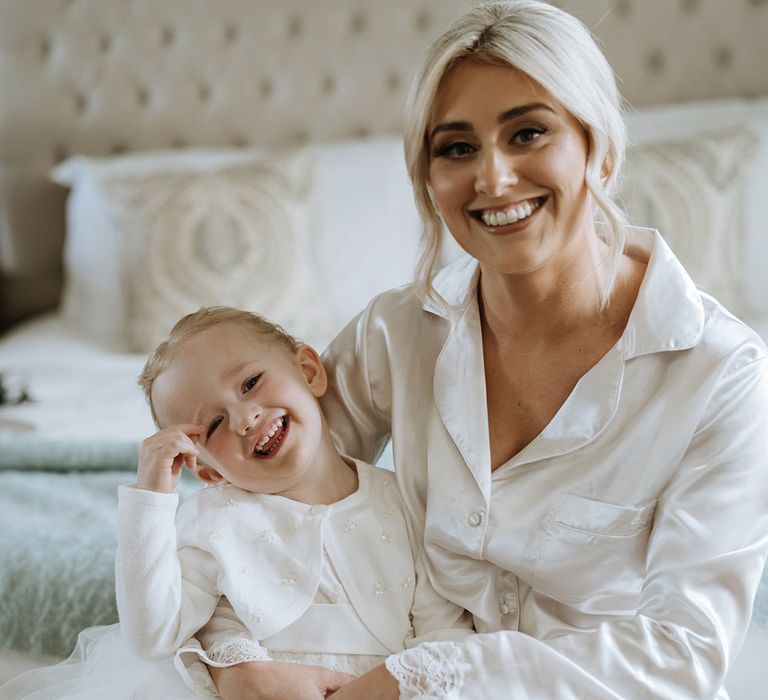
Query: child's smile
point(271, 440)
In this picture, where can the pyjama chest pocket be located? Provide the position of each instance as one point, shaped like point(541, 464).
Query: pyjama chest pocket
point(593, 553)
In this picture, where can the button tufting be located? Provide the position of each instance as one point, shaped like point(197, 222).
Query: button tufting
point(358, 23)
point(231, 32)
point(45, 48)
point(204, 92)
point(655, 62)
point(105, 43)
point(81, 102)
point(266, 88)
point(295, 27)
point(689, 5)
point(142, 96)
point(327, 85)
point(624, 8)
point(422, 21)
point(723, 57)
point(167, 36)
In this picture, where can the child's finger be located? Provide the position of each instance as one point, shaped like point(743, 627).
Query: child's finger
point(191, 430)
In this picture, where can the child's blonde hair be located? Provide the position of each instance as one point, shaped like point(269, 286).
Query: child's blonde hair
point(204, 318)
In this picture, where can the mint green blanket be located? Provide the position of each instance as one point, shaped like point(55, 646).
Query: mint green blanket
point(57, 556)
point(20, 452)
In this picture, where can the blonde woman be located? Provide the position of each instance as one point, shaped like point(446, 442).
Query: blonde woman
point(579, 433)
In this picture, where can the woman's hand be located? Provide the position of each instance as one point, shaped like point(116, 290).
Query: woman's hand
point(273, 680)
point(162, 457)
point(377, 684)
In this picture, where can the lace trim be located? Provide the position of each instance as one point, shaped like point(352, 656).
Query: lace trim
point(430, 671)
point(237, 651)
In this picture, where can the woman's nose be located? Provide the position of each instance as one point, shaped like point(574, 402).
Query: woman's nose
point(495, 173)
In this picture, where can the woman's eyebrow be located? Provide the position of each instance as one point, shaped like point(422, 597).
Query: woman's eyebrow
point(522, 109)
point(501, 119)
point(450, 126)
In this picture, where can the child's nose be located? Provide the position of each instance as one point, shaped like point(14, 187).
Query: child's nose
point(246, 421)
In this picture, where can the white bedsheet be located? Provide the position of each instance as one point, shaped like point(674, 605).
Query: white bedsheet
point(80, 391)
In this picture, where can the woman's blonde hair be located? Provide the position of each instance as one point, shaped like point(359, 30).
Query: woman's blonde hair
point(204, 318)
point(558, 52)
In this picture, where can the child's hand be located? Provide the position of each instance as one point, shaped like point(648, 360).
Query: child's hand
point(163, 455)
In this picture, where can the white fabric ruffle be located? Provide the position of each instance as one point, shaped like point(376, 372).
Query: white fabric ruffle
point(101, 666)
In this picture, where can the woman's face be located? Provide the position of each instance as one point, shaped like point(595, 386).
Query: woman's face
point(507, 168)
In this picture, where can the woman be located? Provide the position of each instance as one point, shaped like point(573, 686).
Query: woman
point(578, 432)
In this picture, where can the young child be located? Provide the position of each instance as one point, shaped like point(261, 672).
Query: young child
point(296, 554)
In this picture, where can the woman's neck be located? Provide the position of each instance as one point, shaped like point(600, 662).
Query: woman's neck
point(550, 301)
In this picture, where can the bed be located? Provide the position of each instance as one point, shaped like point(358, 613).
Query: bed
point(130, 130)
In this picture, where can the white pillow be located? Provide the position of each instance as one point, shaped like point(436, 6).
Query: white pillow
point(685, 123)
point(239, 236)
point(363, 230)
point(693, 191)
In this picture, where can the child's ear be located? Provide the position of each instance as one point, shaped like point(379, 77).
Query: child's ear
point(207, 475)
point(314, 371)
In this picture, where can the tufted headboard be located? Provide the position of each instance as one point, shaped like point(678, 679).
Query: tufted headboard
point(104, 76)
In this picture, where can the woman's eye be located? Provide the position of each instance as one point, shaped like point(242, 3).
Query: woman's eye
point(527, 135)
point(457, 149)
point(212, 426)
point(251, 382)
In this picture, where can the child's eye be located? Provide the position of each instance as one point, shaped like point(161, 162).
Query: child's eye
point(527, 135)
point(251, 382)
point(455, 149)
point(212, 426)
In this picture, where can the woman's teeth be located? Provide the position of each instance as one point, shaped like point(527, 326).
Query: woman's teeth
point(511, 215)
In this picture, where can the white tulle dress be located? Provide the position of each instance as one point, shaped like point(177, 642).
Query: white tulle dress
point(103, 667)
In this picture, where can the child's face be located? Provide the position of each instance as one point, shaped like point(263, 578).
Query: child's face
point(258, 403)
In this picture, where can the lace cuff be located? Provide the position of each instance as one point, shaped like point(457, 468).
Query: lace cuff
point(236, 651)
point(431, 671)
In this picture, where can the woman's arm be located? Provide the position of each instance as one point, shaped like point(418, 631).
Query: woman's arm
point(360, 427)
